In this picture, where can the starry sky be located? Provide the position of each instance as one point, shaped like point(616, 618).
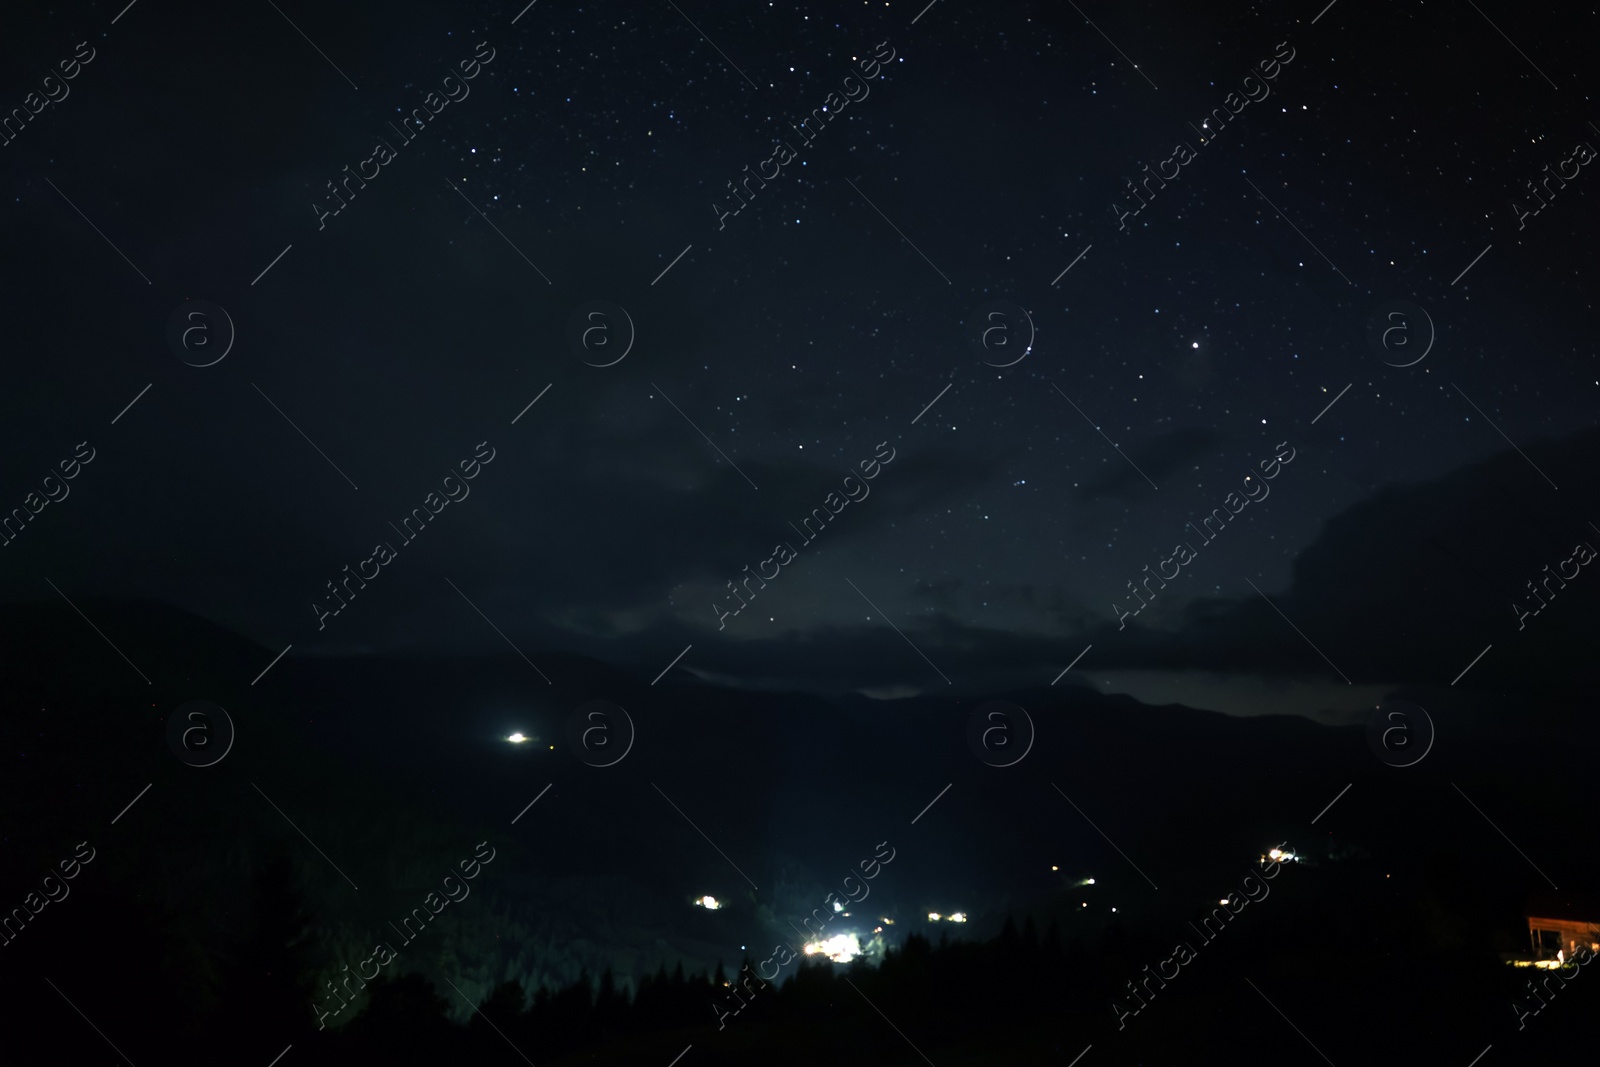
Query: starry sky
point(985, 164)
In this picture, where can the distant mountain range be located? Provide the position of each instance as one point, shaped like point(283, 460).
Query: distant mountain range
point(391, 770)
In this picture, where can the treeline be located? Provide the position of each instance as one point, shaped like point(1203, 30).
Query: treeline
point(950, 992)
point(1328, 946)
point(1415, 959)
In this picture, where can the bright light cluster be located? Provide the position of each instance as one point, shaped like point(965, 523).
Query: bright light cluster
point(953, 917)
point(709, 903)
point(841, 948)
point(517, 738)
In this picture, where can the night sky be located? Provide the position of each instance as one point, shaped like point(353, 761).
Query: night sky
point(596, 144)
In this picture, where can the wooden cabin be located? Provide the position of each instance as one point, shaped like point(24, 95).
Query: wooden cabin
point(1560, 922)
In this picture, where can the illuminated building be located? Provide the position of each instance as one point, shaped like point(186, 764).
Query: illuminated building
point(841, 948)
point(1559, 922)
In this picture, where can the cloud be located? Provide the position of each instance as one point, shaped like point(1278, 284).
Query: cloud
point(1401, 589)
